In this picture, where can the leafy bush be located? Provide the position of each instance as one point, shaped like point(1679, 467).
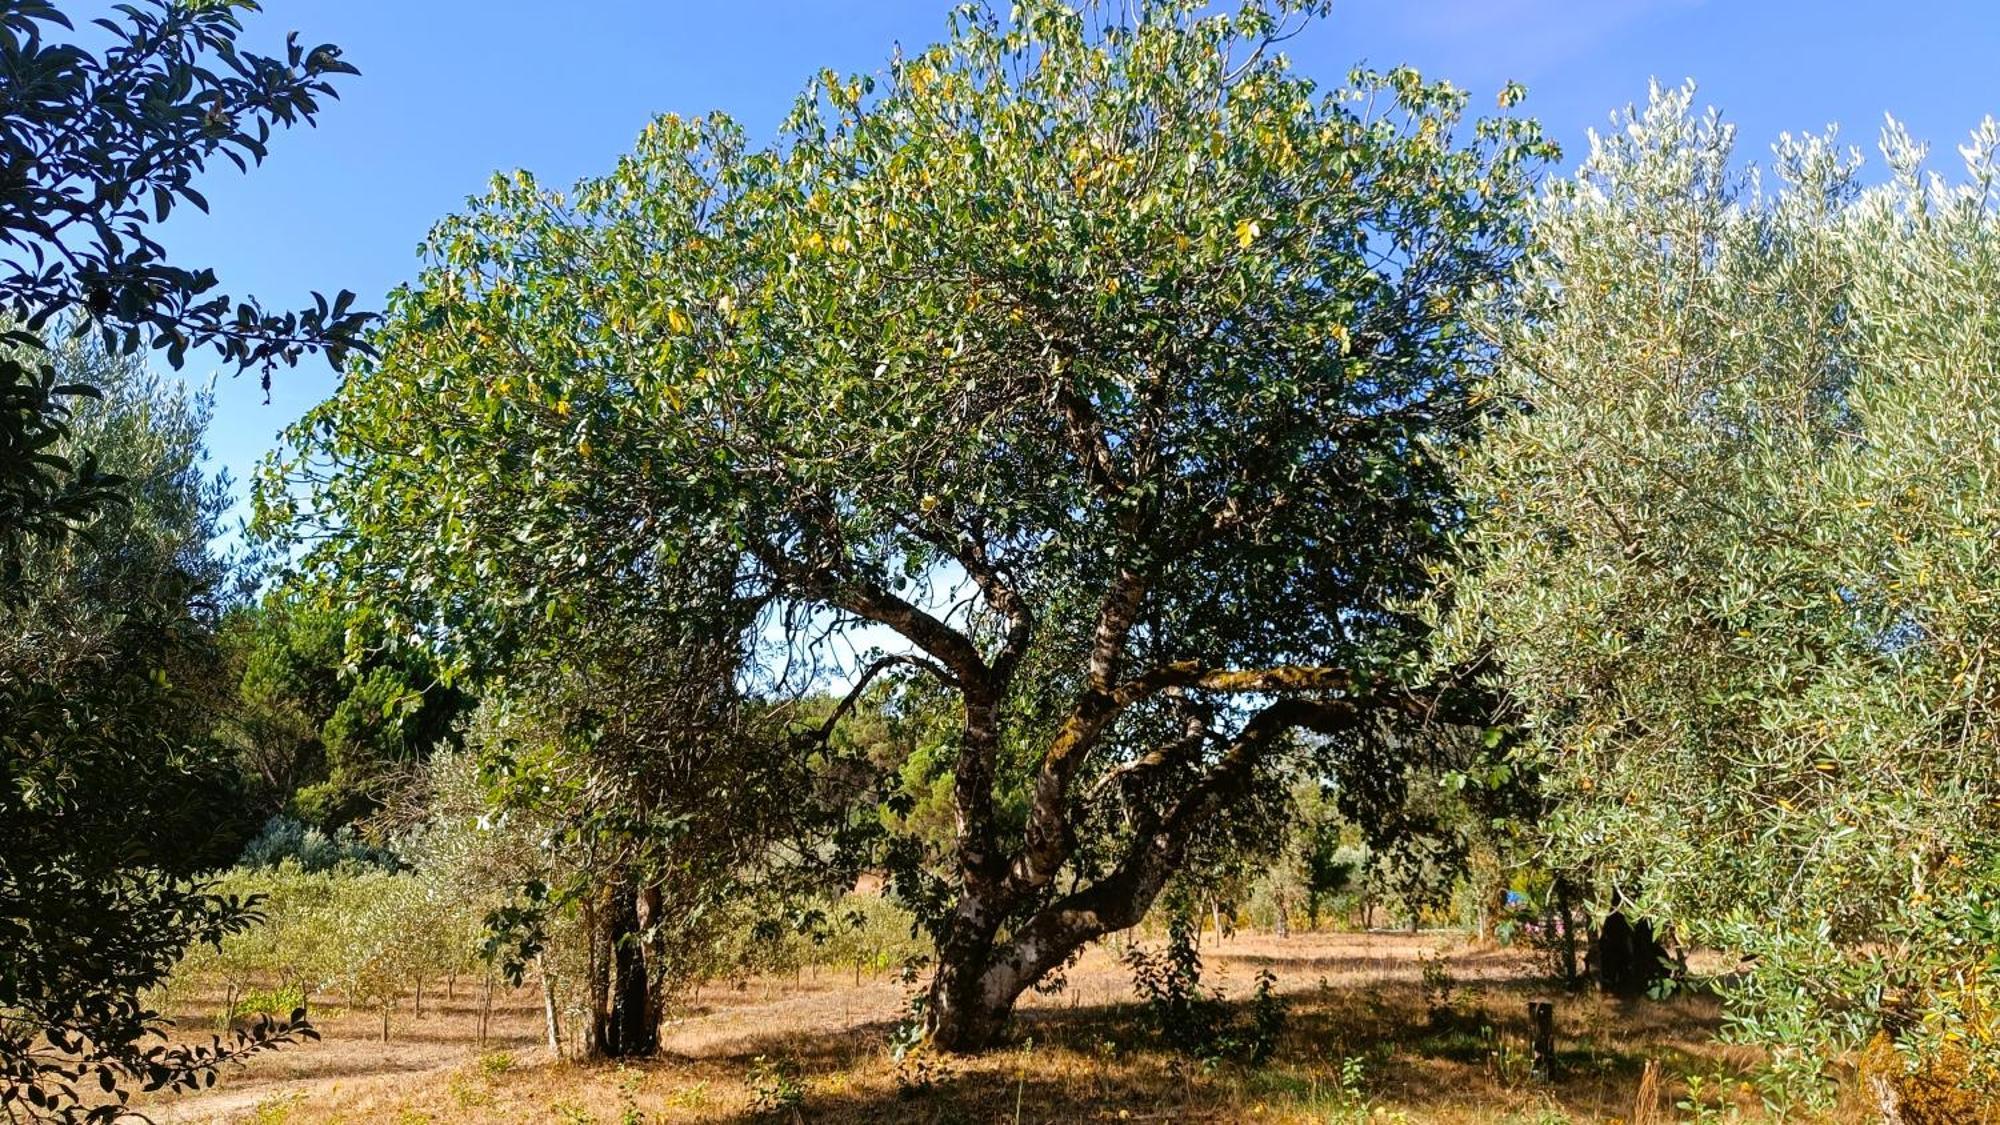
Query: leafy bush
point(284, 838)
point(775, 1086)
point(1268, 1013)
point(1196, 1021)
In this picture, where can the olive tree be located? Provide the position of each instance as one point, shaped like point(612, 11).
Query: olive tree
point(1092, 366)
point(1733, 555)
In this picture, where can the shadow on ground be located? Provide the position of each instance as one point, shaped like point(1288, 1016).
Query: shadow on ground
point(1088, 1063)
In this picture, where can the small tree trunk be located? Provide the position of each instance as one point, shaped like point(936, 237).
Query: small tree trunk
point(549, 1007)
point(385, 1021)
point(1284, 919)
point(486, 1007)
point(632, 1026)
point(420, 998)
point(1566, 920)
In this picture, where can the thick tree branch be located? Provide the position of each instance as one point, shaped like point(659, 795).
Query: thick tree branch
point(969, 551)
point(1120, 899)
point(972, 775)
point(1087, 440)
point(1050, 835)
point(871, 601)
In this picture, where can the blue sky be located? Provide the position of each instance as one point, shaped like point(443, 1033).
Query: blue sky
point(452, 90)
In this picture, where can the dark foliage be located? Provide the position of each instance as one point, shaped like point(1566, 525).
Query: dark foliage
point(1197, 1021)
point(95, 149)
point(107, 788)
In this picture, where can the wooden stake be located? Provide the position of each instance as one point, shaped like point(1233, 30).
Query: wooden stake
point(1542, 1018)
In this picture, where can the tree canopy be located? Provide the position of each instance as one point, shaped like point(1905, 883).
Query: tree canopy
point(100, 147)
point(1094, 356)
point(1732, 555)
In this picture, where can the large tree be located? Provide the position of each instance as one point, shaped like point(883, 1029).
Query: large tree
point(1093, 366)
point(1734, 553)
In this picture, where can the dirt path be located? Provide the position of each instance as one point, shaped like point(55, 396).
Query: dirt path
point(350, 1056)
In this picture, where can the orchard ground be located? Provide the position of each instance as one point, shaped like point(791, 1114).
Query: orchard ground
point(1371, 1036)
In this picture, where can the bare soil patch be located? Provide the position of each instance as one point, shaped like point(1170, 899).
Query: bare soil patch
point(1364, 1042)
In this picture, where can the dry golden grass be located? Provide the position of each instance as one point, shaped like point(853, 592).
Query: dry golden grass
point(1361, 1045)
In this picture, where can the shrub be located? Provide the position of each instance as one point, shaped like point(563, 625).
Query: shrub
point(284, 838)
point(1196, 1021)
point(775, 1086)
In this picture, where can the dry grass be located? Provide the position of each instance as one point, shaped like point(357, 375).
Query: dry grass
point(1361, 1045)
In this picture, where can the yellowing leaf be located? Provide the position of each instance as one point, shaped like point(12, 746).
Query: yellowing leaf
point(1247, 231)
point(678, 322)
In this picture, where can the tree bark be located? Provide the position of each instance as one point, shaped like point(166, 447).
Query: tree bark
point(977, 981)
point(554, 1026)
point(627, 1020)
point(963, 1016)
point(958, 1016)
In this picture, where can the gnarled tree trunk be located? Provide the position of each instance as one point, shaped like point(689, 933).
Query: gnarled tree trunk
point(979, 979)
point(626, 1023)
